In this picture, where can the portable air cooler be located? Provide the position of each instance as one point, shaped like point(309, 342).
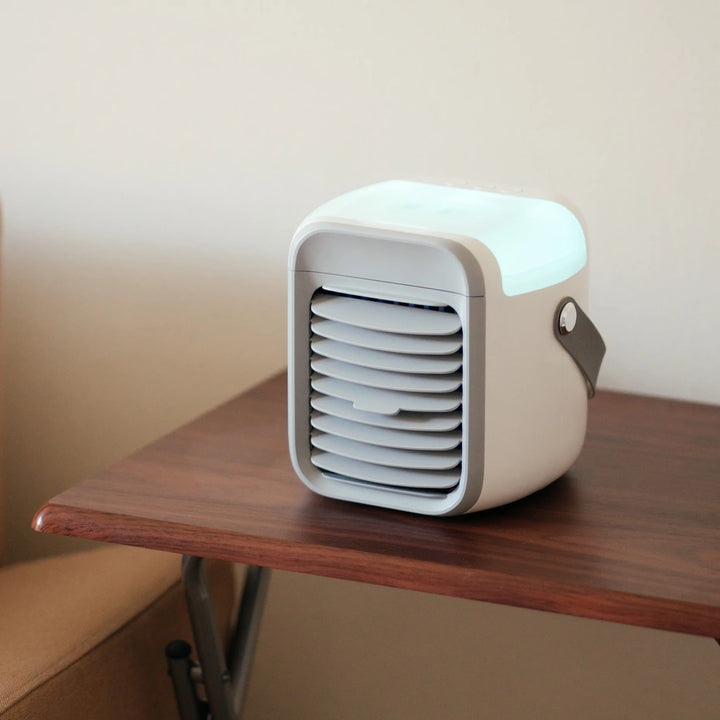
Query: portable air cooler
point(439, 358)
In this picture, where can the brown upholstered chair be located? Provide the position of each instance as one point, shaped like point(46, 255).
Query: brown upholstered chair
point(83, 635)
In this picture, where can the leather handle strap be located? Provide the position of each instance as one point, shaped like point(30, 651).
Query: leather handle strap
point(582, 340)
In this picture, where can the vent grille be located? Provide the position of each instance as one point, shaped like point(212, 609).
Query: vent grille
point(386, 393)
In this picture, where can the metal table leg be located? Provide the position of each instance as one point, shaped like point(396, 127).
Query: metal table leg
point(225, 690)
point(242, 646)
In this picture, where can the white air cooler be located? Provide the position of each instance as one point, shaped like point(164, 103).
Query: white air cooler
point(439, 358)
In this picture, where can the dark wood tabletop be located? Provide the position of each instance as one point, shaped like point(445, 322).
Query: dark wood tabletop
point(630, 534)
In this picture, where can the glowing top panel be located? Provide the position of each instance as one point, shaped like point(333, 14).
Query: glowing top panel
point(536, 242)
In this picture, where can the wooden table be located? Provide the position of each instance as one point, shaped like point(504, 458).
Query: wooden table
point(630, 534)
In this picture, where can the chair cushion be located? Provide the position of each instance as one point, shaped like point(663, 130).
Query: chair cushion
point(84, 634)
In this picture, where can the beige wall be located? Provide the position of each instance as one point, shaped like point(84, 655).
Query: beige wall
point(156, 156)
point(333, 649)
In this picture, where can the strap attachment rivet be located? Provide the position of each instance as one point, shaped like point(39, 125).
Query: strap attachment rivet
point(568, 318)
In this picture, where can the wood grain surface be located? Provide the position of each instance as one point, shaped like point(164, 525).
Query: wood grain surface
point(630, 534)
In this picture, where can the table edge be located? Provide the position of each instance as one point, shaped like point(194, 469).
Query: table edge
point(360, 566)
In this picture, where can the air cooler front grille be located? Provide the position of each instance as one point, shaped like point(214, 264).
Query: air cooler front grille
point(386, 393)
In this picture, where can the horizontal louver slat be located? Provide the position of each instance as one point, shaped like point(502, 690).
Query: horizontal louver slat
point(383, 380)
point(385, 456)
point(400, 439)
point(399, 295)
point(390, 361)
point(385, 402)
point(356, 469)
point(386, 317)
point(423, 422)
point(375, 340)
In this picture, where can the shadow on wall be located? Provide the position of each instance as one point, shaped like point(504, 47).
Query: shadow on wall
point(121, 326)
point(3, 513)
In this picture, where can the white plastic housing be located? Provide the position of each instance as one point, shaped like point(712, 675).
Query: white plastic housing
point(397, 256)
